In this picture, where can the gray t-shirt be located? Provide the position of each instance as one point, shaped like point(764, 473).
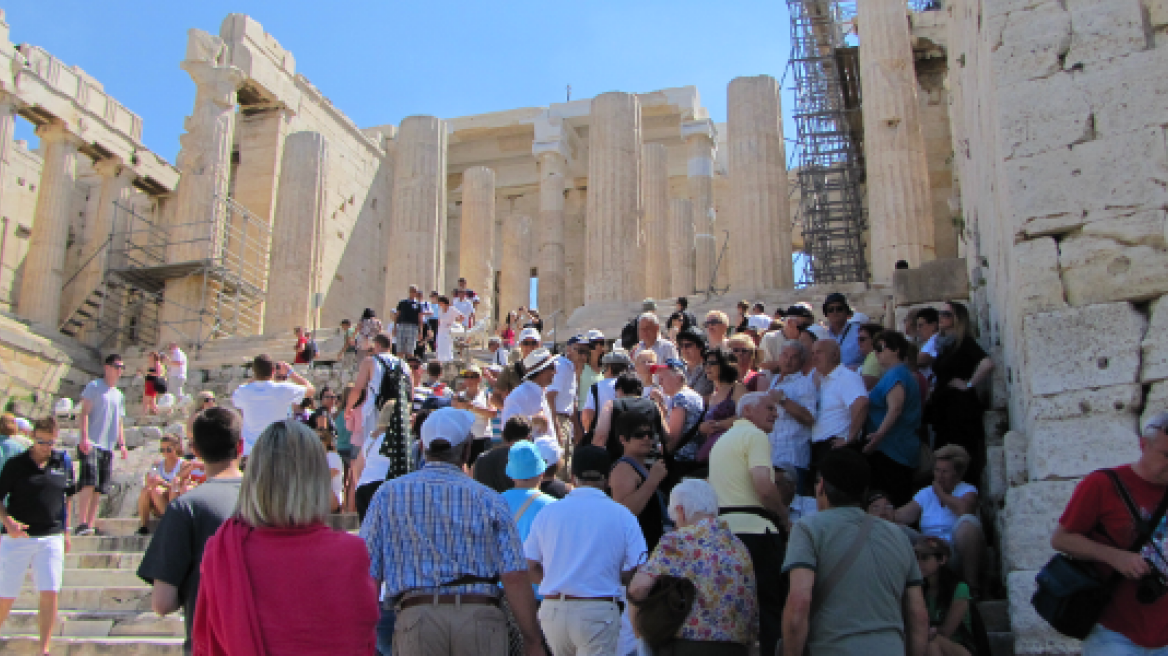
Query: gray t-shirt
point(105, 415)
point(864, 612)
point(176, 551)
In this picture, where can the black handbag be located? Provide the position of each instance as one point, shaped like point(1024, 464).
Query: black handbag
point(1071, 596)
point(661, 614)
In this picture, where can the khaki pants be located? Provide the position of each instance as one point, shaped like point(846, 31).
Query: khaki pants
point(579, 628)
point(450, 630)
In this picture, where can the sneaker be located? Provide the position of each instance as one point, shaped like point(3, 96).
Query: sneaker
point(83, 529)
point(142, 530)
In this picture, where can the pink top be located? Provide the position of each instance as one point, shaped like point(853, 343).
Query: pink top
point(508, 337)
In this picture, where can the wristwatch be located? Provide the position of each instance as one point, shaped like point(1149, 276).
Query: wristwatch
point(969, 385)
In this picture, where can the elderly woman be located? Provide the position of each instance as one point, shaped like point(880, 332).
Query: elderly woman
point(954, 411)
point(682, 409)
point(722, 368)
point(894, 415)
point(746, 351)
point(643, 363)
point(724, 618)
point(717, 324)
point(248, 604)
point(947, 509)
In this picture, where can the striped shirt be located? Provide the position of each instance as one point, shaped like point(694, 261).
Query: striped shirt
point(437, 525)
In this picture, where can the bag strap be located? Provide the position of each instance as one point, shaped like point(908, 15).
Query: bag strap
point(1144, 530)
point(525, 506)
point(843, 566)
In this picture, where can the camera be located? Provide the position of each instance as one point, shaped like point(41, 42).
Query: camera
point(1151, 586)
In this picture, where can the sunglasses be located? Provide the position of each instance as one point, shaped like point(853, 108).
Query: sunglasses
point(329, 396)
point(529, 342)
point(835, 308)
point(712, 323)
point(712, 363)
point(44, 443)
point(117, 366)
point(166, 449)
point(641, 435)
point(740, 351)
point(208, 400)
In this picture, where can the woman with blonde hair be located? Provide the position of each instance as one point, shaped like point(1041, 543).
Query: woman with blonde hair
point(744, 348)
point(248, 603)
point(716, 324)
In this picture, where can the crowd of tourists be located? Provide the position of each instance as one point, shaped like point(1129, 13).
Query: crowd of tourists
point(687, 487)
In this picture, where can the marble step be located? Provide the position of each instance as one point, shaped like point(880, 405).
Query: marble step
point(107, 646)
point(122, 560)
point(87, 578)
point(123, 598)
point(128, 526)
point(92, 624)
point(102, 543)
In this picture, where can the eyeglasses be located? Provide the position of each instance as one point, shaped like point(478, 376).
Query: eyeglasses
point(166, 449)
point(329, 396)
point(832, 309)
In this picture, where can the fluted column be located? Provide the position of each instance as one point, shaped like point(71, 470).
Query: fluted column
point(113, 199)
point(476, 253)
point(418, 216)
point(899, 210)
point(515, 276)
point(760, 220)
point(297, 233)
point(681, 247)
point(614, 168)
point(700, 136)
point(655, 221)
point(552, 173)
point(44, 265)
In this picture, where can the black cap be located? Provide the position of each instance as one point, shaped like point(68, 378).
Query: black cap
point(590, 462)
point(847, 471)
point(799, 311)
point(835, 297)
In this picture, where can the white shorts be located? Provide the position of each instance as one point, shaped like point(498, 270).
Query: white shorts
point(46, 555)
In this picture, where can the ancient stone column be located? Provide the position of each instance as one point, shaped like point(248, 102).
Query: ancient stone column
point(899, 213)
point(476, 254)
point(44, 265)
point(113, 201)
point(760, 220)
point(297, 233)
point(654, 248)
point(418, 214)
point(515, 276)
point(681, 247)
point(614, 197)
point(8, 105)
point(550, 261)
point(700, 137)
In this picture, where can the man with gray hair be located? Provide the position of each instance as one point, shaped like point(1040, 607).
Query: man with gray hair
point(743, 476)
point(1097, 525)
point(798, 401)
point(843, 402)
point(649, 331)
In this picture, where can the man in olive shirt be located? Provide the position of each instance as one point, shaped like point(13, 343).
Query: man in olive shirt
point(873, 603)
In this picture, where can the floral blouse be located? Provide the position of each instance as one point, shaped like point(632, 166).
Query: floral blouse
point(708, 554)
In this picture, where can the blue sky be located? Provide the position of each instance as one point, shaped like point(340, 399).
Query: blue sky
point(381, 61)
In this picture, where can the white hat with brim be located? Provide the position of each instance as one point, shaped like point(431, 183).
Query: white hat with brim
point(449, 425)
point(529, 333)
point(537, 361)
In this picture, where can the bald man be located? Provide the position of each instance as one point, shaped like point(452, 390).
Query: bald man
point(843, 403)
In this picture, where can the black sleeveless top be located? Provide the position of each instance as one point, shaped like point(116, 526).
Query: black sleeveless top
point(652, 517)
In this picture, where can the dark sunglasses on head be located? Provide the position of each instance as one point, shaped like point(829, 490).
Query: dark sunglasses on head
point(835, 308)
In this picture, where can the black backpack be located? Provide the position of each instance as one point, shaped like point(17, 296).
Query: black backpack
point(391, 376)
point(310, 350)
point(628, 335)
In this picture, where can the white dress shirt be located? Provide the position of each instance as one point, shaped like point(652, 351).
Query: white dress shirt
point(527, 400)
point(791, 440)
point(837, 391)
point(564, 385)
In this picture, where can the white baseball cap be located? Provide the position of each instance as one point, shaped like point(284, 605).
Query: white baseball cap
point(529, 333)
point(447, 424)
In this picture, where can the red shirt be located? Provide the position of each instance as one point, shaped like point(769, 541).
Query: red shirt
point(301, 342)
point(1096, 502)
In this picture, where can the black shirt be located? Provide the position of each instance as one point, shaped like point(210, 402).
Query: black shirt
point(409, 311)
point(491, 468)
point(36, 496)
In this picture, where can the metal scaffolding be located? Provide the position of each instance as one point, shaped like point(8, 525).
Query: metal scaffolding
point(829, 151)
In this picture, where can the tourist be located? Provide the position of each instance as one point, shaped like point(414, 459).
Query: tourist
point(604, 390)
point(491, 467)
point(529, 340)
point(870, 371)
point(561, 394)
point(807, 338)
point(246, 596)
point(717, 325)
point(347, 356)
point(843, 403)
point(507, 332)
point(35, 487)
point(525, 467)
point(581, 550)
point(630, 398)
point(753, 506)
point(203, 401)
point(846, 333)
point(464, 305)
point(448, 315)
point(536, 320)
point(375, 371)
point(443, 583)
point(367, 328)
point(102, 410)
point(879, 505)
point(155, 379)
point(722, 407)
point(473, 397)
point(12, 443)
point(529, 399)
point(336, 467)
point(954, 411)
point(264, 401)
point(692, 346)
point(649, 332)
point(158, 490)
point(745, 351)
point(635, 485)
point(643, 364)
point(894, 416)
point(877, 606)
point(947, 509)
point(176, 369)
point(375, 466)
point(723, 620)
point(928, 328)
point(682, 409)
point(431, 313)
point(172, 562)
point(497, 354)
point(743, 323)
point(798, 403)
point(799, 317)
point(948, 600)
point(910, 327)
point(553, 454)
point(758, 322)
point(681, 311)
point(407, 322)
point(1097, 526)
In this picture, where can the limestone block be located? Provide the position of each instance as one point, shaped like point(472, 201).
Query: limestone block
point(1156, 401)
point(1129, 92)
point(1029, 519)
point(1157, 12)
point(1031, 42)
point(938, 280)
point(1035, 276)
point(1039, 115)
point(1032, 635)
point(1083, 347)
point(133, 437)
point(1112, 401)
point(994, 483)
point(151, 434)
point(999, 381)
point(1098, 270)
point(1145, 228)
point(1155, 346)
point(1070, 448)
point(1103, 30)
point(122, 501)
point(1014, 453)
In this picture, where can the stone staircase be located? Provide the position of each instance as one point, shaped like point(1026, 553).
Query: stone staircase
point(104, 606)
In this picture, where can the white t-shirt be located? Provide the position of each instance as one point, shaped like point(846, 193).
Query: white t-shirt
point(376, 465)
point(937, 520)
point(334, 462)
point(263, 402)
point(527, 400)
point(482, 425)
point(605, 390)
point(465, 307)
point(178, 363)
point(837, 391)
point(564, 385)
point(759, 322)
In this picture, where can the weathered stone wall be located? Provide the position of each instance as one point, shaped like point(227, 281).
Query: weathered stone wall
point(1058, 111)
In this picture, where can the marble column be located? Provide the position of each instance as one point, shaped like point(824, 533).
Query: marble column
point(113, 199)
point(899, 210)
point(681, 247)
point(476, 253)
point(550, 261)
point(298, 233)
point(700, 136)
point(418, 214)
point(760, 219)
point(614, 181)
point(654, 250)
point(44, 265)
point(515, 273)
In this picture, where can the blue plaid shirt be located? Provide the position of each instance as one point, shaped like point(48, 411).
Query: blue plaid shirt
point(436, 525)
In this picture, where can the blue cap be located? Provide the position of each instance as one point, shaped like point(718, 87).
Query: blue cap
point(524, 461)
